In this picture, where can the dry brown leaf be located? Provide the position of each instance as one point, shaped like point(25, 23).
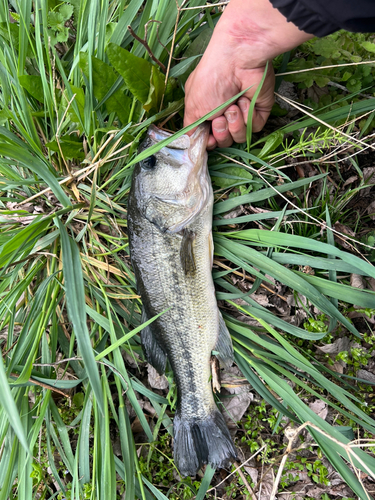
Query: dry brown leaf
point(345, 230)
point(235, 406)
point(266, 486)
point(315, 492)
point(357, 281)
point(366, 375)
point(351, 179)
point(370, 284)
point(234, 213)
point(371, 210)
point(339, 345)
point(252, 471)
point(369, 178)
point(155, 380)
point(320, 408)
point(338, 366)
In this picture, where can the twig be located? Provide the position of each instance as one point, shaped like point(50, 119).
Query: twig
point(45, 386)
point(237, 468)
point(83, 172)
point(207, 6)
point(147, 47)
point(353, 139)
point(324, 67)
point(245, 482)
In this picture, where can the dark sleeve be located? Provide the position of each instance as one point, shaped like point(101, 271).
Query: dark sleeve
point(322, 17)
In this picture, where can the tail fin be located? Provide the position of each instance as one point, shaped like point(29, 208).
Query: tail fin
point(198, 442)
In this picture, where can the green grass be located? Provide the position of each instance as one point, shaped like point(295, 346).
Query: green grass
point(72, 115)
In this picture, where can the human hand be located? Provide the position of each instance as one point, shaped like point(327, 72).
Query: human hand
point(210, 85)
point(249, 34)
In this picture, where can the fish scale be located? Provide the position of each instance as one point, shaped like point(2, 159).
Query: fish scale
point(170, 222)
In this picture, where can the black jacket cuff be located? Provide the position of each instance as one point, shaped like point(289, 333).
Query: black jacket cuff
point(304, 18)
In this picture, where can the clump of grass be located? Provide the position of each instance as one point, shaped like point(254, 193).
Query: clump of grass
point(78, 91)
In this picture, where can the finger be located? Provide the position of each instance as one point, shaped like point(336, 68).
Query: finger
point(236, 124)
point(211, 143)
point(244, 104)
point(260, 114)
point(221, 132)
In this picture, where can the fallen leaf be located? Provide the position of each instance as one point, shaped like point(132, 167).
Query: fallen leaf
point(320, 408)
point(339, 345)
point(369, 178)
point(266, 486)
point(315, 492)
point(253, 473)
point(351, 179)
point(371, 210)
point(345, 232)
point(366, 375)
point(155, 380)
point(357, 281)
point(236, 396)
point(338, 367)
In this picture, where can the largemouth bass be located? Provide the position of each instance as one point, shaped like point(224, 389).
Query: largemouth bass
point(171, 249)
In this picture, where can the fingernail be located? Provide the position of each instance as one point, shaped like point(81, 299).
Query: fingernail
point(231, 116)
point(220, 127)
point(243, 104)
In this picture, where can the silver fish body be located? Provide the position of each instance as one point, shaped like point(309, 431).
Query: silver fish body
point(170, 222)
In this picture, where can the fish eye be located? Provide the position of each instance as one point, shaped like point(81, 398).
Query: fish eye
point(149, 163)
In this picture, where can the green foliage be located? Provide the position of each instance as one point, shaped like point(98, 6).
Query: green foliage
point(77, 94)
point(339, 48)
point(57, 18)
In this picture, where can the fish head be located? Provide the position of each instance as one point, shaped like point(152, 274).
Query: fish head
point(172, 186)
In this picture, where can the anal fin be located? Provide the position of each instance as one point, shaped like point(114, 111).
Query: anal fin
point(154, 352)
point(223, 345)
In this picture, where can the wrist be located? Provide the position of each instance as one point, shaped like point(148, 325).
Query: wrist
point(256, 32)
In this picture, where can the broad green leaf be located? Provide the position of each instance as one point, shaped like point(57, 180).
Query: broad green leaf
point(355, 296)
point(369, 46)
point(70, 147)
point(33, 84)
point(285, 276)
point(158, 494)
point(300, 242)
point(157, 87)
point(272, 142)
point(135, 71)
point(103, 79)
point(195, 49)
point(230, 175)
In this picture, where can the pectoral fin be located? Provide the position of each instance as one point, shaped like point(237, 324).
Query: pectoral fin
point(187, 252)
point(223, 345)
point(154, 352)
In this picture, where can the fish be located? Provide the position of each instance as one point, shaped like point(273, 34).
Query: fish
point(171, 250)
